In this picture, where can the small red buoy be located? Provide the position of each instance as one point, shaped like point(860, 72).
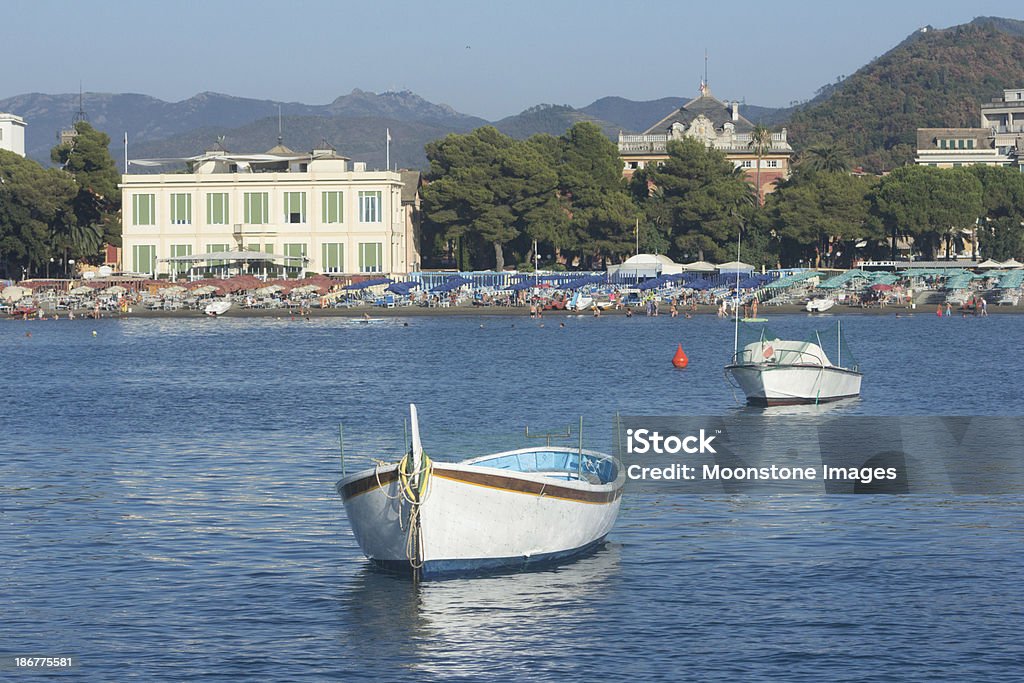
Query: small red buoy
point(680, 360)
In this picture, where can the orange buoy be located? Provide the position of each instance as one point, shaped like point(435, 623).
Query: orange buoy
point(680, 360)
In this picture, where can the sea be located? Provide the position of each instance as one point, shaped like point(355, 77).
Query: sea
point(168, 513)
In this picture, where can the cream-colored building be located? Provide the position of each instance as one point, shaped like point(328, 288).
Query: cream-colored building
point(999, 141)
point(306, 212)
point(12, 133)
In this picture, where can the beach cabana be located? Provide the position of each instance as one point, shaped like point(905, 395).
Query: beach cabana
point(699, 267)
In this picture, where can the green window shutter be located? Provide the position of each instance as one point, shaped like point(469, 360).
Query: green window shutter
point(294, 207)
point(333, 207)
point(144, 258)
point(181, 209)
point(333, 258)
point(256, 208)
point(143, 209)
point(217, 208)
point(370, 260)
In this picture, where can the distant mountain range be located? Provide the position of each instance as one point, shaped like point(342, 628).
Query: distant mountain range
point(935, 77)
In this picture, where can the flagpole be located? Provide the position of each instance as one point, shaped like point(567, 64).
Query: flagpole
point(126, 152)
point(387, 145)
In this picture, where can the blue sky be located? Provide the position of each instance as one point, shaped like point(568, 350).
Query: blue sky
point(484, 58)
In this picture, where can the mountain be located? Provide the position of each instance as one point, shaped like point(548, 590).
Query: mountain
point(147, 119)
point(934, 78)
point(551, 119)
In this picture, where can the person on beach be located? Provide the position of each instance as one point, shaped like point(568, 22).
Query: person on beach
point(984, 307)
point(938, 310)
point(673, 312)
point(753, 308)
point(629, 312)
point(949, 310)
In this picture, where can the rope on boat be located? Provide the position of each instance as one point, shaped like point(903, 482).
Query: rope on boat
point(414, 488)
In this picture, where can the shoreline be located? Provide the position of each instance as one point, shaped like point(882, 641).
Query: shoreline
point(499, 311)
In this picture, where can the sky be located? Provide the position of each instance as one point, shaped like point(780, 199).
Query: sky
point(484, 58)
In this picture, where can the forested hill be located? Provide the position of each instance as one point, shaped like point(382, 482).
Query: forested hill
point(934, 78)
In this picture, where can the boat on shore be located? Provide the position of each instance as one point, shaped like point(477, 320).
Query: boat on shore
point(773, 372)
point(504, 511)
point(219, 307)
point(819, 305)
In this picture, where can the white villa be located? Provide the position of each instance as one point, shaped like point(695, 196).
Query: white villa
point(999, 141)
point(280, 212)
point(12, 133)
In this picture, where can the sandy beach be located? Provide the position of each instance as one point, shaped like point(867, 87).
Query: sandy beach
point(459, 311)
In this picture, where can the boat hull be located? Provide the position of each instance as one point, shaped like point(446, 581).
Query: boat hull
point(477, 519)
point(773, 385)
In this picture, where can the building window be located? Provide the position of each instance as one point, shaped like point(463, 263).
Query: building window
point(970, 144)
point(144, 258)
point(747, 164)
point(144, 211)
point(333, 258)
point(294, 207)
point(178, 267)
point(333, 207)
point(256, 204)
point(771, 163)
point(181, 209)
point(296, 254)
point(370, 257)
point(217, 208)
point(369, 207)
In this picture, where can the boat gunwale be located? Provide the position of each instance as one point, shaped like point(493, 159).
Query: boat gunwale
point(533, 483)
point(762, 367)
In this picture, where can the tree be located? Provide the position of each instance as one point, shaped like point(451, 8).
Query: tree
point(98, 201)
point(760, 142)
point(815, 214)
point(601, 217)
point(486, 186)
point(1000, 231)
point(35, 203)
point(826, 158)
point(928, 203)
point(698, 197)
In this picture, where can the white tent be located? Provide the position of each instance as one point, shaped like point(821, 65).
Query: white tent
point(989, 263)
point(699, 267)
point(735, 266)
point(1012, 263)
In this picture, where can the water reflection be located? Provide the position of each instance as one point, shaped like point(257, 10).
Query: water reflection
point(467, 626)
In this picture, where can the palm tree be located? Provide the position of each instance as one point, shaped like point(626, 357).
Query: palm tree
point(826, 158)
point(760, 142)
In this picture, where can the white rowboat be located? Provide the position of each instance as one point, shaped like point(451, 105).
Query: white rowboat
point(503, 511)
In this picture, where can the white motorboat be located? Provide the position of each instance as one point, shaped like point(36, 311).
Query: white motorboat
point(579, 302)
point(819, 305)
point(773, 372)
point(219, 307)
point(507, 510)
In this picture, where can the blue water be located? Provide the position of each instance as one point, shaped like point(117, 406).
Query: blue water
point(167, 510)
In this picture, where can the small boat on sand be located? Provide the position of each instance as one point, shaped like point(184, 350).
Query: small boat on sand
point(819, 305)
point(504, 511)
point(219, 307)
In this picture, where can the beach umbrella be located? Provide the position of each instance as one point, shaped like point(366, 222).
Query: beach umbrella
point(881, 288)
point(402, 288)
point(373, 282)
point(79, 291)
point(699, 284)
point(114, 289)
point(15, 292)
